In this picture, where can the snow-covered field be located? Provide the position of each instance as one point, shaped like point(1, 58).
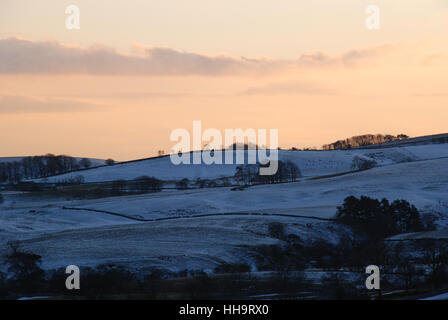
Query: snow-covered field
point(311, 163)
point(443, 296)
point(418, 174)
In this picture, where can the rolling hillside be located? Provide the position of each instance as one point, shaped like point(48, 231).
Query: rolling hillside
point(91, 238)
point(200, 228)
point(311, 163)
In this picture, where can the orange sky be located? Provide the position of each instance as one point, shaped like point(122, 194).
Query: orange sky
point(62, 92)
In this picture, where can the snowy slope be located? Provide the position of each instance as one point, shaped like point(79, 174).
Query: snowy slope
point(311, 163)
point(424, 183)
point(443, 296)
point(63, 237)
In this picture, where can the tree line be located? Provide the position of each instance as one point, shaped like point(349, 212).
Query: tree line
point(377, 219)
point(364, 140)
point(249, 174)
point(39, 167)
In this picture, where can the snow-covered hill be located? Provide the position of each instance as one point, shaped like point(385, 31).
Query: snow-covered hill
point(62, 236)
point(311, 163)
point(424, 183)
point(89, 235)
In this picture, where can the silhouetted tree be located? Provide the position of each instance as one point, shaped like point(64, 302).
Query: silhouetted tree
point(27, 276)
point(85, 163)
point(200, 183)
point(250, 173)
point(147, 184)
point(379, 219)
point(435, 253)
point(246, 174)
point(118, 187)
point(36, 167)
point(182, 184)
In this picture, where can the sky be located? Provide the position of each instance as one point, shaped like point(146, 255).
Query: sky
point(136, 70)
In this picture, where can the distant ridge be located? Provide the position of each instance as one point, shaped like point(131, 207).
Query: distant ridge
point(363, 140)
point(370, 141)
point(422, 140)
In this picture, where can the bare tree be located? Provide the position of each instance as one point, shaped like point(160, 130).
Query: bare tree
point(85, 163)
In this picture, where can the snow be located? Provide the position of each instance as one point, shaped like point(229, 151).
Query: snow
point(424, 183)
point(180, 244)
point(436, 234)
point(443, 296)
point(311, 163)
point(66, 237)
point(33, 298)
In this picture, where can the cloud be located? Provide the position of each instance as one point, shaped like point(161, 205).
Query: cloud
point(348, 59)
point(289, 88)
point(126, 95)
point(22, 56)
point(18, 56)
point(25, 104)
